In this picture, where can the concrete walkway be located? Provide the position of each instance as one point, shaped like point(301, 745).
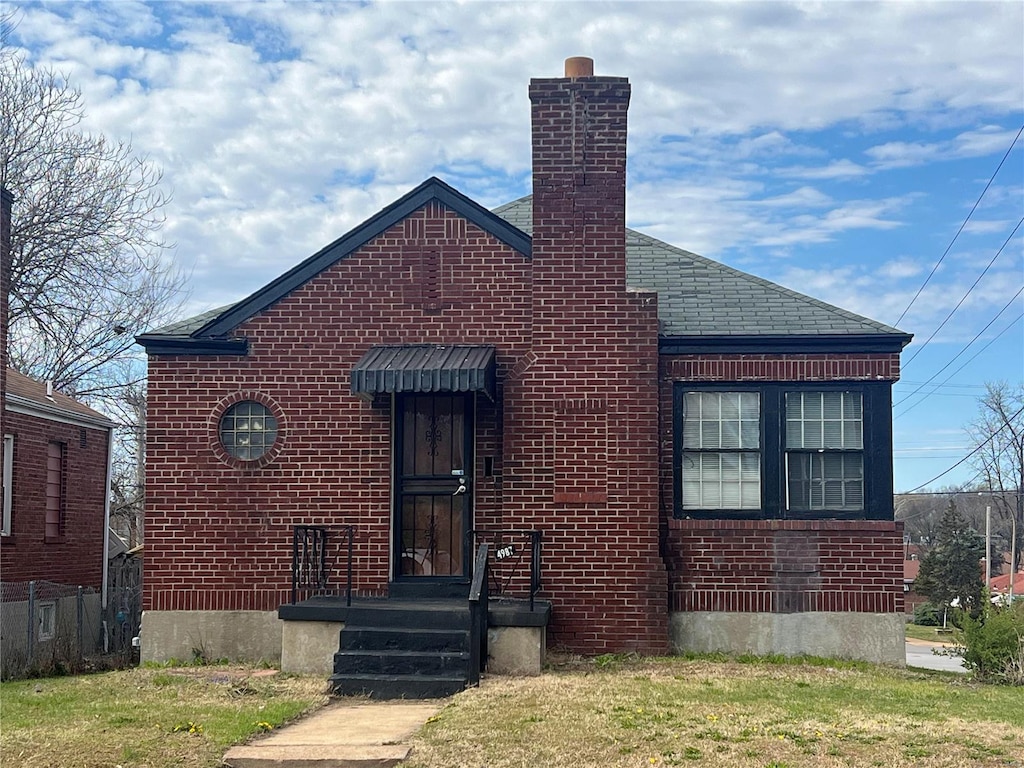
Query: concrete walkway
point(921, 653)
point(344, 734)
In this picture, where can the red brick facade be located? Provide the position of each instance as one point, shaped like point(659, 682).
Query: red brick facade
point(75, 557)
point(777, 566)
point(786, 566)
point(577, 444)
point(573, 443)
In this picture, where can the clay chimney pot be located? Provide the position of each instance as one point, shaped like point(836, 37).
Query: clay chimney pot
point(579, 66)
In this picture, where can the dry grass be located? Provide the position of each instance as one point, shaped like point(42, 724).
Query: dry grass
point(146, 718)
point(711, 713)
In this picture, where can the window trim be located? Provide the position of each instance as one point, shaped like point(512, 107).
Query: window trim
point(876, 402)
point(218, 448)
point(8, 485)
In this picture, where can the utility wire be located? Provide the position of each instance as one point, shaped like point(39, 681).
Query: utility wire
point(967, 362)
point(965, 458)
point(965, 348)
point(957, 235)
point(964, 298)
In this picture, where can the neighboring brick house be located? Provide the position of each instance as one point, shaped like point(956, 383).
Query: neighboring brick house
point(56, 480)
point(56, 465)
point(56, 472)
point(707, 454)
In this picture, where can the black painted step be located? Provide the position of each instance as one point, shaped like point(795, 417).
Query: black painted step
point(401, 663)
point(355, 638)
point(429, 589)
point(398, 686)
point(439, 614)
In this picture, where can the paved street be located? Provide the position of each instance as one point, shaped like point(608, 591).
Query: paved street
point(920, 654)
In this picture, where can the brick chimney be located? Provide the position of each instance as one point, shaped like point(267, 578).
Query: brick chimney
point(579, 170)
point(580, 410)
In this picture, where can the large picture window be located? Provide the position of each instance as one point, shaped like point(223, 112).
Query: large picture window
point(780, 450)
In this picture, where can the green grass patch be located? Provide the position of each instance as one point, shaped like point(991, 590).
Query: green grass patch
point(754, 712)
point(146, 717)
point(931, 634)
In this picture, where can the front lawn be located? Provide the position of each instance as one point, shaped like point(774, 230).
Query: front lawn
point(677, 712)
point(146, 718)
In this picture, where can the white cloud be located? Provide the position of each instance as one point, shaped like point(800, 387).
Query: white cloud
point(837, 169)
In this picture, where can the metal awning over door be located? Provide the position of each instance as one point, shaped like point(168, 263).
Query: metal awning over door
point(424, 368)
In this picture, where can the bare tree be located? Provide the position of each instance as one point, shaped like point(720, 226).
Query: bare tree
point(998, 434)
point(89, 267)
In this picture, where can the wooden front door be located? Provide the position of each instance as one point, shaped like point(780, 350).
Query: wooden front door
point(434, 444)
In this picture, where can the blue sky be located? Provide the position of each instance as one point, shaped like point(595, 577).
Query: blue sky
point(835, 148)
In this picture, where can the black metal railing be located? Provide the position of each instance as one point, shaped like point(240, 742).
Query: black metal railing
point(478, 596)
point(311, 558)
point(512, 552)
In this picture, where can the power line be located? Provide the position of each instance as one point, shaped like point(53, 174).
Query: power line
point(957, 235)
point(965, 458)
point(965, 348)
point(964, 298)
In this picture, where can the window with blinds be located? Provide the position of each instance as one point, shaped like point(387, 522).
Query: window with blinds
point(721, 459)
point(824, 450)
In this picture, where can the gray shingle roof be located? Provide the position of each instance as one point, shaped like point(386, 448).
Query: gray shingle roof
point(701, 297)
point(189, 324)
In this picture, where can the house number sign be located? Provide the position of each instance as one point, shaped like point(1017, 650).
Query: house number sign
point(504, 551)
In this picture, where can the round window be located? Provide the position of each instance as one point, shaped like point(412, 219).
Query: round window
point(247, 430)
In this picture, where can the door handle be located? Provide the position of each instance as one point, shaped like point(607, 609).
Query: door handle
point(462, 487)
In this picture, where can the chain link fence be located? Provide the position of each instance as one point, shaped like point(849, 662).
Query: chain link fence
point(47, 628)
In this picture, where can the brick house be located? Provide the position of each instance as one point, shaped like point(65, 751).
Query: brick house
point(56, 473)
point(443, 370)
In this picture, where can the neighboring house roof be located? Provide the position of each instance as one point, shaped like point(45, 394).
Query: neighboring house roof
point(25, 395)
point(1001, 584)
point(702, 304)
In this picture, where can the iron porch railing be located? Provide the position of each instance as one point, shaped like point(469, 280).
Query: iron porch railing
point(515, 557)
point(311, 558)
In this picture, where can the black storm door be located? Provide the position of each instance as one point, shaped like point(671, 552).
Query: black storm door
point(434, 442)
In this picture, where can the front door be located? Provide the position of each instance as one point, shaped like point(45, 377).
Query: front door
point(434, 469)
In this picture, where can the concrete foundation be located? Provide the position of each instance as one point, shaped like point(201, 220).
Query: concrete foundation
point(236, 635)
point(874, 637)
point(516, 650)
point(308, 647)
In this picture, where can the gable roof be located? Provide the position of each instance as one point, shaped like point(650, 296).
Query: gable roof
point(25, 395)
point(433, 188)
point(703, 305)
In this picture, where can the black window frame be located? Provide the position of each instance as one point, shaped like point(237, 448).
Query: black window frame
point(876, 401)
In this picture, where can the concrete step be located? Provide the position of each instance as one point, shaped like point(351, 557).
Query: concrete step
point(375, 662)
point(375, 638)
point(308, 756)
point(437, 614)
point(383, 687)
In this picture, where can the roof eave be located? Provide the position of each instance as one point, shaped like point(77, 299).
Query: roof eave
point(31, 407)
point(864, 343)
point(189, 345)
